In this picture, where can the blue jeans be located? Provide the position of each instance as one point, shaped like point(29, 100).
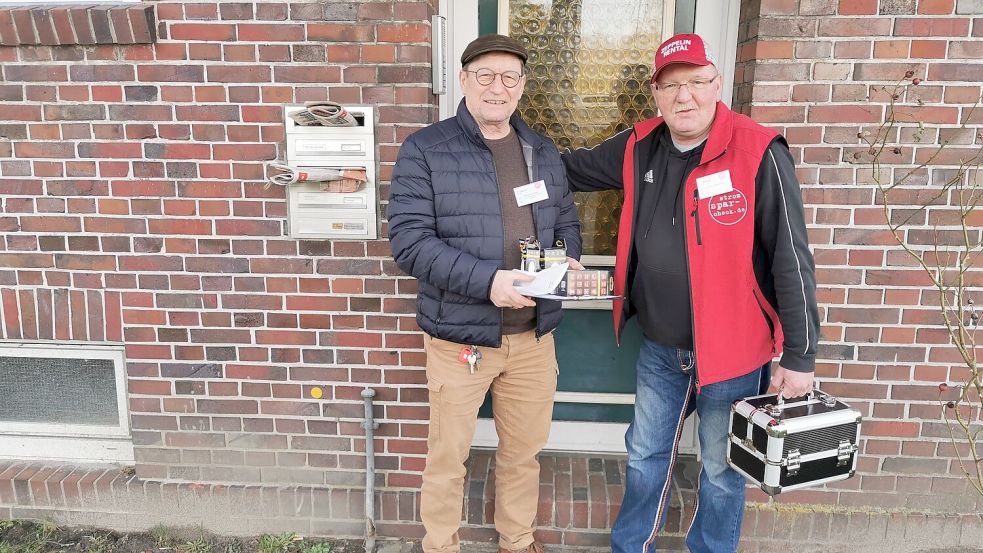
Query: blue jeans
point(665, 396)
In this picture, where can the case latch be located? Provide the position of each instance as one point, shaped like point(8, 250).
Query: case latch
point(843, 452)
point(794, 462)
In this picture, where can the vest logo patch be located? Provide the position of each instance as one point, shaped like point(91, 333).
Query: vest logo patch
point(648, 176)
point(728, 208)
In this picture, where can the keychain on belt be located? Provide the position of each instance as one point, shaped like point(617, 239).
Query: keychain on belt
point(470, 355)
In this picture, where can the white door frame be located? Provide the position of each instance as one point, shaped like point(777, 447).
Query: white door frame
point(717, 22)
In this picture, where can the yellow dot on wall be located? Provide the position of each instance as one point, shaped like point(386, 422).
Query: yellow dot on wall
point(316, 393)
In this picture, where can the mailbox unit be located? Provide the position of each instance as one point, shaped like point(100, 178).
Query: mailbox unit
point(315, 214)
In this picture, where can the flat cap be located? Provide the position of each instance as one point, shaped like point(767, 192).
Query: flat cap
point(493, 43)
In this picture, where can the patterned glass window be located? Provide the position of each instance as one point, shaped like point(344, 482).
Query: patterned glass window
point(589, 68)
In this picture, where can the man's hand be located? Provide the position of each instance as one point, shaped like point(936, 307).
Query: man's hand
point(503, 294)
point(574, 264)
point(791, 383)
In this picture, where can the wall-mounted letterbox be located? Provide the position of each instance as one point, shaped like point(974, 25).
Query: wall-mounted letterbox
point(316, 213)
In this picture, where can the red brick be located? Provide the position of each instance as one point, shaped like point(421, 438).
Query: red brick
point(38, 72)
point(932, 27)
point(778, 114)
point(318, 74)
point(239, 74)
point(935, 7)
point(857, 7)
point(340, 32)
point(171, 73)
point(930, 49)
point(253, 32)
point(404, 32)
point(177, 151)
point(207, 113)
point(205, 51)
point(295, 337)
point(203, 31)
point(844, 113)
point(855, 27)
point(180, 226)
point(245, 152)
point(891, 48)
point(377, 53)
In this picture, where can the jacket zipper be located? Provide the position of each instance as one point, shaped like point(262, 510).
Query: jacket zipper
point(692, 321)
point(505, 253)
point(535, 225)
point(440, 307)
point(696, 215)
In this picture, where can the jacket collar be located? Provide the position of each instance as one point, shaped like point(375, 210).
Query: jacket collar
point(470, 126)
point(721, 131)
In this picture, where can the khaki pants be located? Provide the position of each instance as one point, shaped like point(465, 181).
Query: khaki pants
point(522, 377)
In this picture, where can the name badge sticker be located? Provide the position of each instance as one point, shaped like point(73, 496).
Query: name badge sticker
point(712, 185)
point(530, 193)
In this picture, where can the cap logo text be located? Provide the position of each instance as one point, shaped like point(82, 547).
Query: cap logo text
point(681, 45)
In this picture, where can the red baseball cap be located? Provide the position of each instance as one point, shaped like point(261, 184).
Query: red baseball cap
point(684, 48)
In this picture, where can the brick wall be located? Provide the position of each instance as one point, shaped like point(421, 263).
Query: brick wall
point(815, 70)
point(131, 180)
point(131, 187)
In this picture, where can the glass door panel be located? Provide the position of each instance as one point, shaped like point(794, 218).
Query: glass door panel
point(588, 80)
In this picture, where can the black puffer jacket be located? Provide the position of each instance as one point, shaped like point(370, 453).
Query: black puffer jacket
point(446, 227)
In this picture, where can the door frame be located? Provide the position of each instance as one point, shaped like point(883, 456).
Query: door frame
point(716, 21)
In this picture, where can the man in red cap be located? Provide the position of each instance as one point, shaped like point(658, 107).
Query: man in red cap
point(713, 258)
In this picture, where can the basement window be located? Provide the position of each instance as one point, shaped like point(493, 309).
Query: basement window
point(64, 403)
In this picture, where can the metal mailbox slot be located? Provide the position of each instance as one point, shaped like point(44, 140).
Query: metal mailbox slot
point(316, 214)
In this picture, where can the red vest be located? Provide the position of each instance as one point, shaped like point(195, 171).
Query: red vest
point(731, 331)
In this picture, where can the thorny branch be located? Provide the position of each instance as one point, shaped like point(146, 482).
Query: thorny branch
point(948, 262)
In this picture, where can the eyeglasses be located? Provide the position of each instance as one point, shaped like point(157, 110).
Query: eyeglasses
point(486, 77)
point(693, 85)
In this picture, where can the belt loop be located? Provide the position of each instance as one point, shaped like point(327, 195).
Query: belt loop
point(685, 367)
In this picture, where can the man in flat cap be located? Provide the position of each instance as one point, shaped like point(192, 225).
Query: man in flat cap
point(713, 259)
point(464, 192)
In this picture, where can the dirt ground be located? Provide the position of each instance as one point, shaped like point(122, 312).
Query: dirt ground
point(34, 537)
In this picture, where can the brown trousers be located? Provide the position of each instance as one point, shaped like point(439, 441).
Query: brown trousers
point(522, 377)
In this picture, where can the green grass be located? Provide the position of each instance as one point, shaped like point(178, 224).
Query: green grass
point(43, 533)
point(46, 530)
point(234, 546)
point(162, 536)
point(201, 544)
point(315, 547)
point(278, 543)
point(97, 543)
point(43, 537)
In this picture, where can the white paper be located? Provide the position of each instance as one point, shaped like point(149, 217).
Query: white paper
point(712, 185)
point(530, 193)
point(546, 281)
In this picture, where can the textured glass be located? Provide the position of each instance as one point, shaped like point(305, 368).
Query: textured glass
point(58, 391)
point(589, 69)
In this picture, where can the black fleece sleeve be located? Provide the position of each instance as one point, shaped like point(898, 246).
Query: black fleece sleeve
point(780, 222)
point(597, 168)
point(568, 226)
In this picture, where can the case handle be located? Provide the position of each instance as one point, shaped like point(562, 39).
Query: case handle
point(810, 396)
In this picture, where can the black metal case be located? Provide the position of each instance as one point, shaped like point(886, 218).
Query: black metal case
point(782, 446)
